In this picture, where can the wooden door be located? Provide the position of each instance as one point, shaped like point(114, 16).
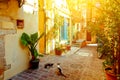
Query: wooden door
point(88, 36)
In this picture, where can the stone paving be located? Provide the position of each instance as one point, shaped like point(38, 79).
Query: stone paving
point(76, 64)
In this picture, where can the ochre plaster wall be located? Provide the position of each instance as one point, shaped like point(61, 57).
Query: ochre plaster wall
point(15, 55)
point(42, 26)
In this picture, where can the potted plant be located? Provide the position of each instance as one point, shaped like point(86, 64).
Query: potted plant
point(110, 20)
point(58, 49)
point(110, 62)
point(31, 41)
point(108, 16)
point(68, 46)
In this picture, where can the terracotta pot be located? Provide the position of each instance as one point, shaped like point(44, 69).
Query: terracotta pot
point(68, 47)
point(110, 76)
point(58, 52)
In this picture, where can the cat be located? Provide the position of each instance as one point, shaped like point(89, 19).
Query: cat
point(59, 72)
point(48, 65)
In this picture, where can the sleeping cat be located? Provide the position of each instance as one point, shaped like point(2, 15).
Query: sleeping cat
point(48, 65)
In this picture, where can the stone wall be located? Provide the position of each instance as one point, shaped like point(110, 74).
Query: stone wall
point(3, 64)
point(2, 54)
point(14, 59)
point(7, 26)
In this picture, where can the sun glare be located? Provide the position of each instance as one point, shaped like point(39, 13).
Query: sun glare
point(30, 6)
point(85, 54)
point(28, 9)
point(58, 2)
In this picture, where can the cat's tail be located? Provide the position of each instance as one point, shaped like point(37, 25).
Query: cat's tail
point(60, 73)
point(63, 75)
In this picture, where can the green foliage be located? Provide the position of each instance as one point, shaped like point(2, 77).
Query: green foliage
point(31, 42)
point(94, 28)
point(58, 20)
point(25, 39)
point(58, 46)
point(110, 18)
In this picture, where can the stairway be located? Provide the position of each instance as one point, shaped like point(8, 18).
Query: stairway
point(79, 43)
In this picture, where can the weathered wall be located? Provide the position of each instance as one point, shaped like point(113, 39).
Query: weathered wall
point(15, 55)
point(42, 26)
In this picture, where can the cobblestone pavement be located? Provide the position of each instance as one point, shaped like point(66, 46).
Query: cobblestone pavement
point(76, 64)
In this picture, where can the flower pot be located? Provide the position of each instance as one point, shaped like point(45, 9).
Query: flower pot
point(68, 47)
point(110, 75)
point(34, 64)
point(58, 52)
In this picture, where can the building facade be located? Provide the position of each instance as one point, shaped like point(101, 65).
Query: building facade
point(56, 24)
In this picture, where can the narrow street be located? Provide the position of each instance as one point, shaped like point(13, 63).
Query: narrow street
point(66, 32)
point(76, 64)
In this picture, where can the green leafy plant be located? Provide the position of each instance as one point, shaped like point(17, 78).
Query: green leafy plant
point(31, 41)
point(58, 48)
point(111, 23)
point(103, 46)
point(109, 13)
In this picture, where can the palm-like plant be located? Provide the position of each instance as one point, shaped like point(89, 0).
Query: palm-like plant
point(31, 41)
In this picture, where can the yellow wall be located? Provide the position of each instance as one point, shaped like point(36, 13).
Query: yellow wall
point(42, 26)
point(14, 54)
